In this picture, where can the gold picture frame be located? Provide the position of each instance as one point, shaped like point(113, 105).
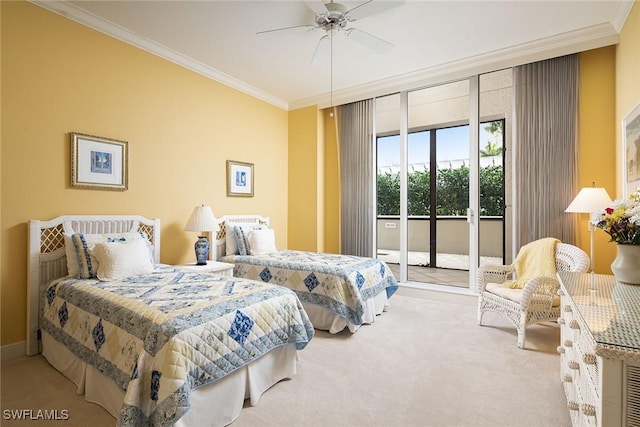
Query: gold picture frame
point(240, 179)
point(631, 151)
point(98, 163)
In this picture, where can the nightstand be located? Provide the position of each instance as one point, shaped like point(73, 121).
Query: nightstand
point(222, 268)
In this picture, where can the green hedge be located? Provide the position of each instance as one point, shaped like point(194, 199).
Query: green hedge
point(452, 189)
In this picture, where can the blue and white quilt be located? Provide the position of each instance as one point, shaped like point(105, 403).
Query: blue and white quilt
point(340, 283)
point(162, 335)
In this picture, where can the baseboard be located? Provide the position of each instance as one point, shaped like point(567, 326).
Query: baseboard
point(439, 293)
point(13, 351)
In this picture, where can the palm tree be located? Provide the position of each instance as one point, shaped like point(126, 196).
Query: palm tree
point(495, 127)
point(491, 149)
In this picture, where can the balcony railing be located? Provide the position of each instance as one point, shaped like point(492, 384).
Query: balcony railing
point(451, 235)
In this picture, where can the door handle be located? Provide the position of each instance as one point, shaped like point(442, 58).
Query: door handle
point(470, 215)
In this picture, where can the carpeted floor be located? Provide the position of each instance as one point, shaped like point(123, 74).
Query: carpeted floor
point(423, 363)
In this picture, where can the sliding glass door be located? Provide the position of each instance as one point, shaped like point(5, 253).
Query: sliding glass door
point(440, 182)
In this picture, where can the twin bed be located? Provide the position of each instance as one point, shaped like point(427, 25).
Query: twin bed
point(167, 347)
point(159, 345)
point(337, 291)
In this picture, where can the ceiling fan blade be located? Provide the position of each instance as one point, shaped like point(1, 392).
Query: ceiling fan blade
point(294, 27)
point(323, 49)
point(316, 6)
point(369, 40)
point(372, 7)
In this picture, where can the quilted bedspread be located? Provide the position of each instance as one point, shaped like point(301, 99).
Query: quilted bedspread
point(162, 335)
point(340, 283)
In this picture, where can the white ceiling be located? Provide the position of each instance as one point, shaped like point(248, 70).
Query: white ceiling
point(433, 41)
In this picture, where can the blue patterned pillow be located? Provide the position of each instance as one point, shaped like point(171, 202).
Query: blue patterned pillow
point(241, 239)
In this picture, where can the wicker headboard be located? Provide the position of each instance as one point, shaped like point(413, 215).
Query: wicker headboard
point(221, 235)
point(47, 259)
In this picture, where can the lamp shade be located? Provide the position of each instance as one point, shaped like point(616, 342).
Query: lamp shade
point(589, 200)
point(202, 219)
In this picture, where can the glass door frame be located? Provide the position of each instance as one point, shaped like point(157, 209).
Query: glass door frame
point(474, 182)
point(473, 217)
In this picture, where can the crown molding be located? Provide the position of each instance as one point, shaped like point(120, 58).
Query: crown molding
point(621, 15)
point(563, 44)
point(550, 47)
point(76, 14)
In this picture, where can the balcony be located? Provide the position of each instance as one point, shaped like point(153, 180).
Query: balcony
point(452, 247)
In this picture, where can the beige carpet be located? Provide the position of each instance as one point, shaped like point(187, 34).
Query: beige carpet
point(423, 363)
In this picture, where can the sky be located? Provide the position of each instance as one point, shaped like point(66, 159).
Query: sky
point(452, 144)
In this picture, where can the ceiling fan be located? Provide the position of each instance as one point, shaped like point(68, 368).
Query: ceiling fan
point(335, 18)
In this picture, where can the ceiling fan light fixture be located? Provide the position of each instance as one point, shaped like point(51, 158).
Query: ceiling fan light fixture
point(335, 18)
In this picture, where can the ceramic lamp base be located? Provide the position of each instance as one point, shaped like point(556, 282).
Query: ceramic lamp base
point(202, 250)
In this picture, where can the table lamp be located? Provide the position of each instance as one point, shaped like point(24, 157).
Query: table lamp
point(202, 220)
point(589, 200)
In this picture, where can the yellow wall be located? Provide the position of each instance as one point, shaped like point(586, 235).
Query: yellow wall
point(59, 77)
point(627, 79)
point(331, 185)
point(304, 164)
point(1, 183)
point(596, 136)
point(320, 195)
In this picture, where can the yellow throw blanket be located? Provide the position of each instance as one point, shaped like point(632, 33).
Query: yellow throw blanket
point(534, 259)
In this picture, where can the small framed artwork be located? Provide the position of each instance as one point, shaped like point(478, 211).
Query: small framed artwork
point(98, 163)
point(239, 179)
point(631, 151)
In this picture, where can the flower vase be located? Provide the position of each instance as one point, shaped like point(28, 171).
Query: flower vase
point(626, 266)
point(202, 250)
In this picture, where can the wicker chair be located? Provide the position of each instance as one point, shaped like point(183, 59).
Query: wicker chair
point(537, 301)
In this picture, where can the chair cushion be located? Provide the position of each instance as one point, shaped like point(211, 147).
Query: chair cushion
point(512, 294)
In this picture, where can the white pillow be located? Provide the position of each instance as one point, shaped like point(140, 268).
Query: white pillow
point(233, 236)
point(262, 241)
point(118, 260)
point(83, 243)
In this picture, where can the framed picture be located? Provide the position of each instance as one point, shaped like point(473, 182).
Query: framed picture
point(98, 163)
point(239, 179)
point(631, 151)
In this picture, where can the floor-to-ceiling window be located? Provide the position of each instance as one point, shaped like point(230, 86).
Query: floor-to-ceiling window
point(495, 166)
point(429, 172)
point(388, 158)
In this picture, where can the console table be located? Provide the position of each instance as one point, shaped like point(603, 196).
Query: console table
point(600, 349)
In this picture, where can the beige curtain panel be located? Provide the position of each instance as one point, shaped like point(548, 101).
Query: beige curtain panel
point(357, 204)
point(546, 154)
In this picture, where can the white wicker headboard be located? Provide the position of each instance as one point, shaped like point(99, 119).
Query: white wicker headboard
point(47, 259)
point(221, 235)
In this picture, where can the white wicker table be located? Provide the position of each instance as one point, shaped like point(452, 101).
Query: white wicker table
point(600, 349)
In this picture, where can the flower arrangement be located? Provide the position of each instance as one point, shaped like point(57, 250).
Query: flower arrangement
point(621, 220)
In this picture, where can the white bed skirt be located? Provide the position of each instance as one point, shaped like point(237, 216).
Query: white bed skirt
point(215, 404)
point(324, 319)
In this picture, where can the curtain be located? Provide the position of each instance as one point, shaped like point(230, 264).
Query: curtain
point(355, 133)
point(546, 153)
